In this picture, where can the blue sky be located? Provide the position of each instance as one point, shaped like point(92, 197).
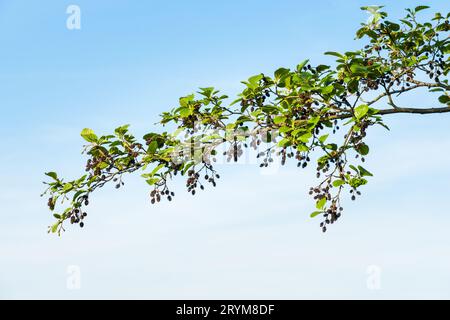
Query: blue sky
point(252, 236)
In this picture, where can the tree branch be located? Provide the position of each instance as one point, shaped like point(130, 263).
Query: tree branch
point(414, 110)
point(399, 110)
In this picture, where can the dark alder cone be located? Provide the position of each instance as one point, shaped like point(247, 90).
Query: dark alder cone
point(51, 204)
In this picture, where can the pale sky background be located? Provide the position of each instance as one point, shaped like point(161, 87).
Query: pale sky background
point(251, 237)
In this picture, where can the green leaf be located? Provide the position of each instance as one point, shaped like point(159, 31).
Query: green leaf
point(301, 65)
point(302, 148)
point(338, 183)
point(444, 99)
point(284, 129)
point(152, 181)
point(361, 111)
point(321, 67)
point(327, 89)
point(353, 85)
point(323, 138)
point(253, 82)
point(57, 216)
point(363, 149)
point(67, 187)
point(393, 26)
point(383, 125)
point(230, 126)
point(372, 9)
point(185, 112)
point(336, 54)
point(315, 214)
point(364, 173)
point(280, 73)
point(236, 101)
point(358, 69)
point(120, 131)
point(52, 175)
point(55, 227)
point(305, 137)
point(89, 135)
point(279, 119)
point(207, 92)
point(184, 101)
point(321, 203)
point(187, 166)
point(157, 169)
point(77, 194)
point(152, 147)
point(314, 120)
point(103, 165)
point(284, 142)
point(357, 182)
point(255, 79)
point(420, 8)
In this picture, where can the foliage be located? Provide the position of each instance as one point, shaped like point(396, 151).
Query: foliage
point(293, 112)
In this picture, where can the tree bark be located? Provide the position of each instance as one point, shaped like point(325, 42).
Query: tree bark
point(414, 110)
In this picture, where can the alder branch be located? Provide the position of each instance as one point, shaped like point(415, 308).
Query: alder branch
point(301, 108)
point(414, 110)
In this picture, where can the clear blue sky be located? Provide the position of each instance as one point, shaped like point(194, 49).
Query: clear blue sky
point(252, 236)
